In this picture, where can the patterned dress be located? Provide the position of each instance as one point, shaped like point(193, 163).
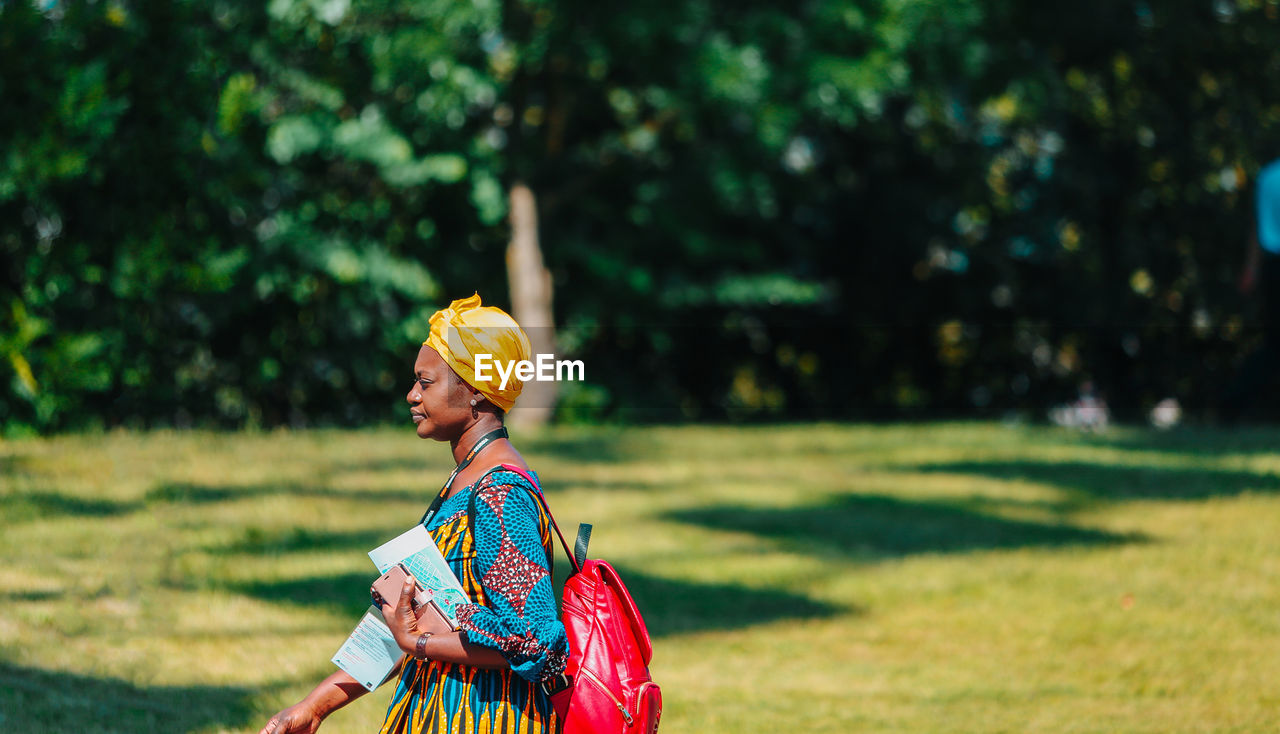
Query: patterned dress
point(506, 570)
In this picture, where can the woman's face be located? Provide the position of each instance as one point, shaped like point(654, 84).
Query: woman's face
point(439, 401)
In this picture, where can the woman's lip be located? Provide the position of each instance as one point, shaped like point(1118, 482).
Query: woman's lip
point(417, 417)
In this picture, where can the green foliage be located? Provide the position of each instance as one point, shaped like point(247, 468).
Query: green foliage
point(244, 213)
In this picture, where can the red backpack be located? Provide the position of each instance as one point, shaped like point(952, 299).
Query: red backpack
point(606, 687)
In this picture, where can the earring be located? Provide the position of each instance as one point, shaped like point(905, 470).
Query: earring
point(473, 402)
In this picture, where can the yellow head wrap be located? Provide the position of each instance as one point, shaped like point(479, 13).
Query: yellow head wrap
point(465, 329)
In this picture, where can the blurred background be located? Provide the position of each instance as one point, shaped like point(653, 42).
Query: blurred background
point(233, 214)
point(831, 268)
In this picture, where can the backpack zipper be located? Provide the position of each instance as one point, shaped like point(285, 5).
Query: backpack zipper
point(590, 676)
point(640, 695)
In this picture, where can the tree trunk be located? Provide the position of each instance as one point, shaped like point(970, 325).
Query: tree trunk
point(530, 285)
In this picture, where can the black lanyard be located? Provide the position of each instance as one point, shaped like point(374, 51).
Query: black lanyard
point(485, 440)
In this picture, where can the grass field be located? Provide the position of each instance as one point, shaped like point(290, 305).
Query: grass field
point(932, 578)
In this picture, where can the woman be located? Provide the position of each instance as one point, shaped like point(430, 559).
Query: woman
point(486, 676)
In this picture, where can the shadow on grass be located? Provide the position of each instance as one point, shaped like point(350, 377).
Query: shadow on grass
point(1195, 441)
point(33, 700)
point(344, 593)
point(31, 595)
point(198, 494)
point(670, 606)
point(36, 505)
point(873, 527)
point(277, 541)
point(1119, 482)
point(208, 494)
point(14, 464)
point(599, 447)
point(675, 607)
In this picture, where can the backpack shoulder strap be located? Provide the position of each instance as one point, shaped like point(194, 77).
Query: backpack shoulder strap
point(584, 531)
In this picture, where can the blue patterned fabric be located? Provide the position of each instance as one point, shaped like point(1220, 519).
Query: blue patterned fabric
point(514, 566)
point(506, 570)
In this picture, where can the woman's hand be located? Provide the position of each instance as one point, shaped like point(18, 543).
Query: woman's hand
point(402, 621)
point(299, 718)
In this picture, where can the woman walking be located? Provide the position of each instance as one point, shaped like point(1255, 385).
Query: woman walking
point(485, 676)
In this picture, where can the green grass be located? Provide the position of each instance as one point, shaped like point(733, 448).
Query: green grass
point(934, 578)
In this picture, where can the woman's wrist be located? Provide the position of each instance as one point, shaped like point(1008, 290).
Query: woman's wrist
point(321, 702)
point(420, 646)
point(318, 707)
point(333, 693)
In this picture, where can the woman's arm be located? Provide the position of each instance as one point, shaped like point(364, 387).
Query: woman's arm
point(453, 647)
point(519, 617)
point(333, 693)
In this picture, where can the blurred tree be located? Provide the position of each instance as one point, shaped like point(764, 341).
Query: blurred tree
point(1115, 142)
point(240, 213)
point(164, 264)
